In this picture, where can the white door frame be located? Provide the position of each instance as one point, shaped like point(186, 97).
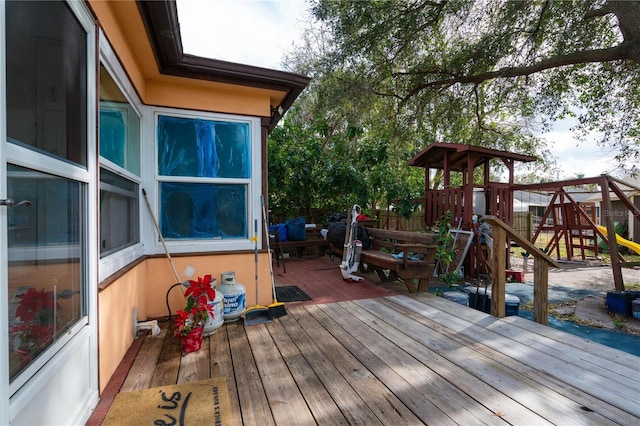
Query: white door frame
point(73, 368)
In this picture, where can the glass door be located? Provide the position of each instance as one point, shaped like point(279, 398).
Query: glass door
point(45, 219)
point(47, 196)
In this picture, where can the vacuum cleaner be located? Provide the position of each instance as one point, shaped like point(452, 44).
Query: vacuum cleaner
point(352, 247)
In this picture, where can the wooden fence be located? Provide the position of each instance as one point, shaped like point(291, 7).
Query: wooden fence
point(390, 220)
point(523, 222)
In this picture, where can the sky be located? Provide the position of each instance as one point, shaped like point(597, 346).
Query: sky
point(260, 32)
point(252, 32)
point(577, 158)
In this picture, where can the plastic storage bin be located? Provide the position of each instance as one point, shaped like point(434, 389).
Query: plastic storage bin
point(478, 300)
point(280, 230)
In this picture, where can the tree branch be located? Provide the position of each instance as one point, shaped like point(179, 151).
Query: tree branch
point(620, 52)
point(628, 15)
point(480, 113)
point(436, 12)
point(603, 11)
point(544, 9)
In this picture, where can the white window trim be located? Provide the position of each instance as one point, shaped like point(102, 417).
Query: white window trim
point(27, 158)
point(4, 294)
point(114, 262)
point(152, 179)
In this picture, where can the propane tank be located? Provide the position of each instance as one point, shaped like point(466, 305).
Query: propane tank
point(235, 300)
point(217, 307)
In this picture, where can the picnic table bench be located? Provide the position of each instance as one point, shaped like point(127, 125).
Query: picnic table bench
point(404, 255)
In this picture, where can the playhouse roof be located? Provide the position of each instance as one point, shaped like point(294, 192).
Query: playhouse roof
point(433, 156)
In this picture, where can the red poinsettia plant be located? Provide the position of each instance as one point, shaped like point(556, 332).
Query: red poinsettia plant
point(35, 319)
point(198, 310)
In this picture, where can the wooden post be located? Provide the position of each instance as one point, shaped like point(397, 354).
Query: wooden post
point(541, 264)
point(467, 223)
point(447, 171)
point(606, 212)
point(498, 275)
point(540, 290)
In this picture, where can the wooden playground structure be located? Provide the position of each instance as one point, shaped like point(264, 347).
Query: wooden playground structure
point(570, 223)
point(470, 198)
point(575, 226)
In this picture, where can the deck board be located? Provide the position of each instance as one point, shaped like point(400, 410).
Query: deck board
point(417, 402)
point(141, 372)
point(279, 385)
point(427, 349)
point(390, 358)
point(382, 402)
point(453, 402)
point(346, 398)
point(254, 406)
point(504, 374)
point(619, 360)
point(221, 365)
point(325, 410)
point(525, 360)
point(194, 366)
point(168, 364)
point(559, 346)
point(586, 369)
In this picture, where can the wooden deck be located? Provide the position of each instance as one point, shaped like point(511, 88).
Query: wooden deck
point(401, 359)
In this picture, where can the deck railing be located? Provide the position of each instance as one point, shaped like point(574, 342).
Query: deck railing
point(439, 202)
point(497, 258)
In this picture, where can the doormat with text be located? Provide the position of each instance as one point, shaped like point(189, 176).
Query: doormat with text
point(291, 293)
point(205, 401)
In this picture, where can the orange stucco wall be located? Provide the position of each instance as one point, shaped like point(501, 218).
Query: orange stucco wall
point(206, 99)
point(144, 288)
point(115, 319)
point(159, 277)
point(136, 52)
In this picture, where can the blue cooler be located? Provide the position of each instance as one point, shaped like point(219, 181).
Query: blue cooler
point(635, 308)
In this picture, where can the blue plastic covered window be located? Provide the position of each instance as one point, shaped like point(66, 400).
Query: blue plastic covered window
point(203, 148)
point(201, 210)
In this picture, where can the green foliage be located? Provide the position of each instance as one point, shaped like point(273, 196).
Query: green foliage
point(619, 323)
point(390, 77)
point(445, 251)
point(444, 254)
point(406, 207)
point(323, 161)
point(451, 277)
point(484, 73)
